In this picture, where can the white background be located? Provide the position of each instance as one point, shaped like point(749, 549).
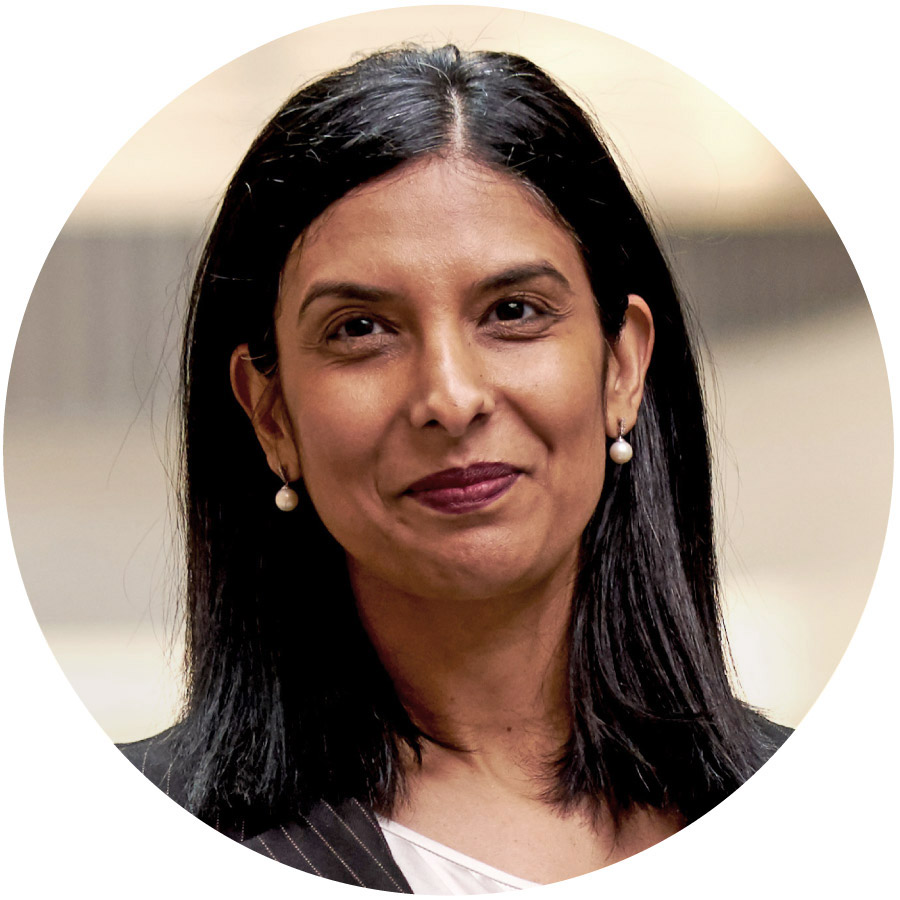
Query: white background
point(80, 79)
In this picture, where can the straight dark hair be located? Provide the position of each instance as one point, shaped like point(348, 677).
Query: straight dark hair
point(287, 702)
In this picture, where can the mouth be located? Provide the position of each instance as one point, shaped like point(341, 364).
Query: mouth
point(456, 491)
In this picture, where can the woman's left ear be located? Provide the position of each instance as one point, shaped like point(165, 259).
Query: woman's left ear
point(628, 363)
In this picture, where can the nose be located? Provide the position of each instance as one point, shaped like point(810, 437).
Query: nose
point(450, 389)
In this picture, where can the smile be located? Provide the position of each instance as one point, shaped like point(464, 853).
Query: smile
point(457, 491)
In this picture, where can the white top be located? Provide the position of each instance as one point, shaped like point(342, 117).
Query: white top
point(433, 868)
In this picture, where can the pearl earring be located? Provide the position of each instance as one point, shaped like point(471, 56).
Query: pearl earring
point(620, 451)
point(286, 499)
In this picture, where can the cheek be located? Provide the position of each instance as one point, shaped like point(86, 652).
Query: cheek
point(337, 424)
point(566, 411)
point(564, 397)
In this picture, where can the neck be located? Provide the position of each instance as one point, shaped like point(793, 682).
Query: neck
point(487, 675)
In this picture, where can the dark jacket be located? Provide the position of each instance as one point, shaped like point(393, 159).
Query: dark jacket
point(341, 842)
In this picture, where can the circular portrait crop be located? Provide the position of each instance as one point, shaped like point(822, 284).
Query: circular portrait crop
point(426, 450)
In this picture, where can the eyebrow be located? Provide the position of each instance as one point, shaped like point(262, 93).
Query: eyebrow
point(519, 274)
point(344, 290)
point(351, 290)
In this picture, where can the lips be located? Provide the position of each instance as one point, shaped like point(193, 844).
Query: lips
point(464, 490)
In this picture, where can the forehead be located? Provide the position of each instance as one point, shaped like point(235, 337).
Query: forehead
point(438, 218)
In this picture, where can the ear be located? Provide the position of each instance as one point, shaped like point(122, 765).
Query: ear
point(261, 398)
point(628, 362)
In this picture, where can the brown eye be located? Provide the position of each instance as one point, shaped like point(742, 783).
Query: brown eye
point(358, 327)
point(512, 310)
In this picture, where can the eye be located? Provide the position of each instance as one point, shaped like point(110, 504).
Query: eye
point(357, 327)
point(520, 318)
point(513, 310)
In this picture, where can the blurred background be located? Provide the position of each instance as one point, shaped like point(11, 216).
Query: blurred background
point(795, 374)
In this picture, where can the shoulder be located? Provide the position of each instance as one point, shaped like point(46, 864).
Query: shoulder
point(161, 761)
point(155, 758)
point(342, 842)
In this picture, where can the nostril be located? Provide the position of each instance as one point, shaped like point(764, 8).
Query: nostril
point(450, 390)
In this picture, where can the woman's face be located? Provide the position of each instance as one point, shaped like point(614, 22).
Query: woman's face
point(443, 382)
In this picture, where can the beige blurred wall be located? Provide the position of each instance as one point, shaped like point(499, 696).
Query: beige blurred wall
point(700, 162)
point(796, 381)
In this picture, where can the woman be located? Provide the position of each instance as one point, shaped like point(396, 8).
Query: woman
point(431, 307)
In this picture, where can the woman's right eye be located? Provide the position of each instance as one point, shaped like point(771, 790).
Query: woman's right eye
point(357, 327)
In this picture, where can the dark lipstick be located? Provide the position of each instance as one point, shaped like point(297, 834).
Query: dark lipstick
point(464, 490)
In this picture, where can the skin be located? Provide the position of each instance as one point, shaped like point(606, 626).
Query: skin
point(437, 318)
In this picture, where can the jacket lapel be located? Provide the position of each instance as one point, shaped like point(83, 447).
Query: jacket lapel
point(342, 842)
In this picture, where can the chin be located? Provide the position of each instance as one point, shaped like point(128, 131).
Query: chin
point(480, 572)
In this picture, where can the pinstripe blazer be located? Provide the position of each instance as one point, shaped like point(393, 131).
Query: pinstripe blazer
point(342, 842)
